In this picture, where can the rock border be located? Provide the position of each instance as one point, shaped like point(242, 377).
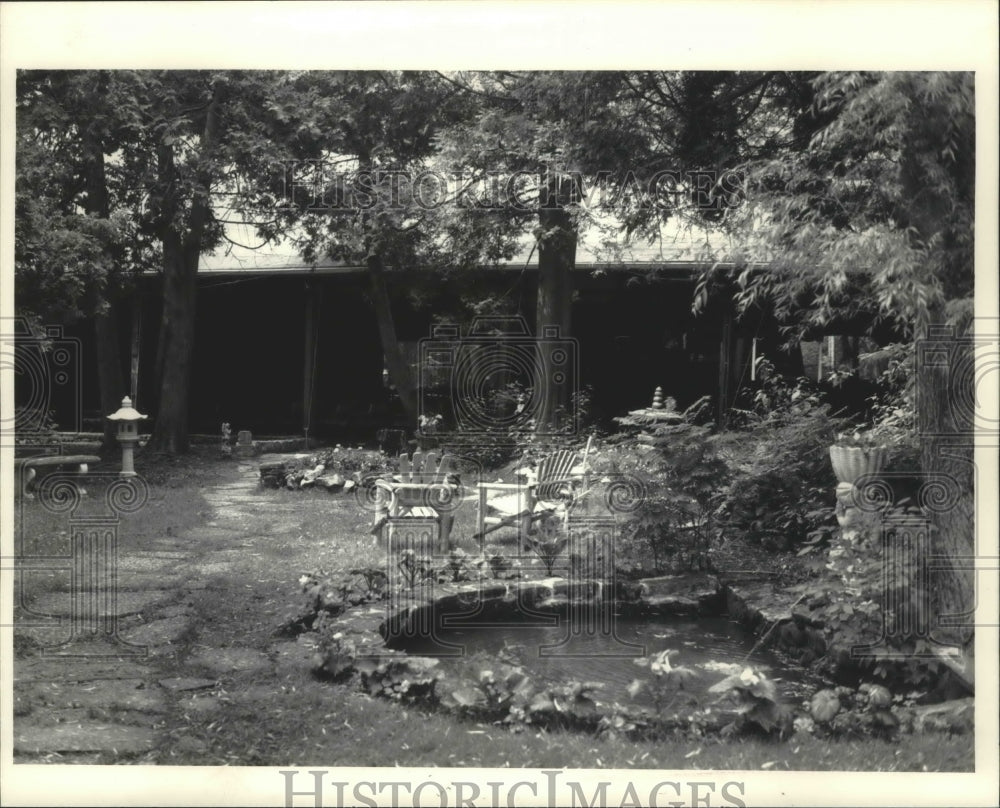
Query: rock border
point(371, 629)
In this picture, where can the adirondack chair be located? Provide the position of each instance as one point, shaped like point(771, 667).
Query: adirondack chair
point(559, 480)
point(424, 488)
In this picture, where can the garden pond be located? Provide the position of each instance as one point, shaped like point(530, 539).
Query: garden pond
point(552, 650)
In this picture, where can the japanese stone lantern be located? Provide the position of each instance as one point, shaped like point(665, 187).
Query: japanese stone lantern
point(128, 433)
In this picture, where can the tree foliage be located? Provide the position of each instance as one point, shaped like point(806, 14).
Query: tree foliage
point(76, 240)
point(879, 202)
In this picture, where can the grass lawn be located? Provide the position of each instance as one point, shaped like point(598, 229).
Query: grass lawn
point(282, 715)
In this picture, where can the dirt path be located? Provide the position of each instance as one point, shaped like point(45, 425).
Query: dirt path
point(199, 609)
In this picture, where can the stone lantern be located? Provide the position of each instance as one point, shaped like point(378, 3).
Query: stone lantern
point(128, 433)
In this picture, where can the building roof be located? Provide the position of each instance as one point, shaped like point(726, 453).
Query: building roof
point(679, 250)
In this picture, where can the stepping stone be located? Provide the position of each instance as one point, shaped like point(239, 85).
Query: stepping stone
point(200, 705)
point(223, 555)
point(227, 660)
point(123, 694)
point(127, 602)
point(159, 632)
point(265, 693)
point(62, 716)
point(198, 535)
point(77, 669)
point(133, 563)
point(133, 581)
point(210, 568)
point(185, 683)
point(139, 581)
point(189, 745)
point(178, 610)
point(85, 737)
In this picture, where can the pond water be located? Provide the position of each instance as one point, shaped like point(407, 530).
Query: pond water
point(712, 647)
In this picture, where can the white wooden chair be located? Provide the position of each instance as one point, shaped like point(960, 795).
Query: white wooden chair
point(559, 482)
point(424, 489)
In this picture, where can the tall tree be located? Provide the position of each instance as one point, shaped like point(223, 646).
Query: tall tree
point(203, 147)
point(118, 167)
point(538, 138)
point(850, 196)
point(76, 246)
point(186, 167)
point(360, 199)
point(885, 190)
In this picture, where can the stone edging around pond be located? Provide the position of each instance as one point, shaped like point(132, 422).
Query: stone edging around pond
point(371, 625)
point(670, 595)
point(759, 606)
point(765, 608)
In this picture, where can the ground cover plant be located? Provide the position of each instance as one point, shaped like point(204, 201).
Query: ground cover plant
point(694, 511)
point(271, 715)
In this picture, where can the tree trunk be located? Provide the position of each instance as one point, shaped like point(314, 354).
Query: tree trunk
point(180, 286)
point(109, 370)
point(947, 444)
point(109, 374)
point(399, 370)
point(181, 251)
point(945, 428)
point(556, 260)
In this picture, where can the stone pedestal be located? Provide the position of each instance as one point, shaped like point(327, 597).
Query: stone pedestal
point(849, 516)
point(854, 521)
point(128, 456)
point(244, 445)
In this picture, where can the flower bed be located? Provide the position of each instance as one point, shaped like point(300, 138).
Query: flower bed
point(335, 470)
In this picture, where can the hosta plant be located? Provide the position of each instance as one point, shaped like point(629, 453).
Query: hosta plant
point(756, 699)
point(666, 682)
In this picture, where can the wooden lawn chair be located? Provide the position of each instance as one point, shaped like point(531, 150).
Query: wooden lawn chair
point(424, 489)
point(560, 480)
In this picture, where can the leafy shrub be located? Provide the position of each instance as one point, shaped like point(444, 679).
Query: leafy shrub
point(549, 541)
point(756, 699)
point(35, 427)
point(355, 462)
point(863, 598)
point(893, 406)
point(400, 678)
point(335, 653)
point(681, 475)
point(330, 594)
point(491, 689)
point(782, 484)
point(867, 710)
point(667, 680)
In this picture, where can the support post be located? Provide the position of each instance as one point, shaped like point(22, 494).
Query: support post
point(725, 353)
point(136, 345)
point(312, 293)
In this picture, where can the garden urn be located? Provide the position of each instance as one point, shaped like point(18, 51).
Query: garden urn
point(128, 419)
point(852, 462)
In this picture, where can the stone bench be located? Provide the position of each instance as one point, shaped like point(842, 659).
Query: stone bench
point(27, 467)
